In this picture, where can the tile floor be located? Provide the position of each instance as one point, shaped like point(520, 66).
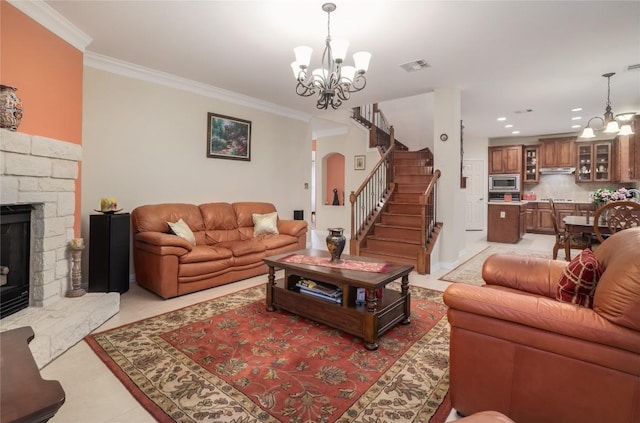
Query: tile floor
point(94, 395)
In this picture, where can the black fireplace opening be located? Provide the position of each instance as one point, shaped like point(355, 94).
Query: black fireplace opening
point(15, 240)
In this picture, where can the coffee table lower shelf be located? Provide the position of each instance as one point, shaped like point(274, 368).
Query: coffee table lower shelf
point(355, 319)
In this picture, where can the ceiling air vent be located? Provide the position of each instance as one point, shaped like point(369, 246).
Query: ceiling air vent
point(415, 65)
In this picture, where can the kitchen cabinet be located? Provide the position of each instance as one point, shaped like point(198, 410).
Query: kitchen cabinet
point(529, 219)
point(538, 215)
point(506, 222)
point(543, 219)
point(624, 169)
point(505, 159)
point(557, 152)
point(627, 155)
point(585, 209)
point(531, 163)
point(634, 140)
point(594, 161)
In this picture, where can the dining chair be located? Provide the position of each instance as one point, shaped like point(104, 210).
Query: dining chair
point(566, 240)
point(617, 216)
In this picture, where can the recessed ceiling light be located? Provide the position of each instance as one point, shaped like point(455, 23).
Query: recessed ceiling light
point(576, 126)
point(515, 132)
point(576, 118)
point(508, 126)
point(577, 109)
point(500, 119)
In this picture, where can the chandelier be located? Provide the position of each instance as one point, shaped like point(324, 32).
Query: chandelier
point(610, 123)
point(333, 83)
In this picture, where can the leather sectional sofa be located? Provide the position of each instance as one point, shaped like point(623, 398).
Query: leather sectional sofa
point(514, 348)
point(225, 249)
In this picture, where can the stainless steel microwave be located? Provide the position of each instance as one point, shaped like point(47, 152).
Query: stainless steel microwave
point(504, 183)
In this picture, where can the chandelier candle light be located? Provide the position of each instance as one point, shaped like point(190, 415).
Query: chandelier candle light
point(609, 123)
point(332, 82)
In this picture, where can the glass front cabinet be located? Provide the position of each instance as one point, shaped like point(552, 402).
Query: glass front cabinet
point(531, 164)
point(594, 161)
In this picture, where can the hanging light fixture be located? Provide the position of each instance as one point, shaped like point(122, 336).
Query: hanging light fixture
point(332, 82)
point(610, 123)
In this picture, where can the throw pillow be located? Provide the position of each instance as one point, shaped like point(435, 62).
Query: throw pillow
point(182, 230)
point(265, 223)
point(579, 279)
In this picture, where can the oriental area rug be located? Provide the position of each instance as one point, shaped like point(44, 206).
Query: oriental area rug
point(470, 272)
point(230, 360)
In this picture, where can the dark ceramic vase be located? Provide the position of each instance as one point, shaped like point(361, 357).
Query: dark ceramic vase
point(335, 244)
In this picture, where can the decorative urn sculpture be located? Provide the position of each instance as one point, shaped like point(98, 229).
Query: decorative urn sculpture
point(10, 108)
point(335, 244)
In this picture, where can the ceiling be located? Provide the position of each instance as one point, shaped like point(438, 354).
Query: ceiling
point(506, 57)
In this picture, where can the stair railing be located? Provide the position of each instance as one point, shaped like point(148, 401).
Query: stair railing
point(428, 213)
point(380, 132)
point(367, 201)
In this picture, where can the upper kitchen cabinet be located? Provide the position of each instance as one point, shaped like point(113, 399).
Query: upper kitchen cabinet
point(624, 171)
point(531, 163)
point(557, 152)
point(627, 155)
point(505, 159)
point(594, 162)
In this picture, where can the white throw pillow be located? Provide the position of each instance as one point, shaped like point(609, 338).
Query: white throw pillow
point(183, 231)
point(265, 223)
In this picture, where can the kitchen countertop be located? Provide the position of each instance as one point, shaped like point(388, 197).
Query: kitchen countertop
point(508, 203)
point(517, 203)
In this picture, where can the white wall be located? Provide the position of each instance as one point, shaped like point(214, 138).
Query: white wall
point(412, 120)
point(352, 142)
point(145, 143)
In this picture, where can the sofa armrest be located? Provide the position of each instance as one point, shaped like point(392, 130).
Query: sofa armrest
point(157, 240)
point(541, 313)
point(530, 274)
point(292, 227)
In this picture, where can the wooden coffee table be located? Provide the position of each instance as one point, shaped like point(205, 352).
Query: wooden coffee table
point(368, 321)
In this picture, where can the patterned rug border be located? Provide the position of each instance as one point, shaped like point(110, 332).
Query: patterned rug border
point(438, 412)
point(470, 272)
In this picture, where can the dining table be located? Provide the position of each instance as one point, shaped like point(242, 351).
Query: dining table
point(584, 224)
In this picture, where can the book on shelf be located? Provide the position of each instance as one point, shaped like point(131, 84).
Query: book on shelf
point(337, 299)
point(328, 290)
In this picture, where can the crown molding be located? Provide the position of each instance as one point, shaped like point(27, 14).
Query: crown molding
point(46, 16)
point(330, 132)
point(109, 64)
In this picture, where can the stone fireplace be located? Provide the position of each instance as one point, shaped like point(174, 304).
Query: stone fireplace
point(41, 172)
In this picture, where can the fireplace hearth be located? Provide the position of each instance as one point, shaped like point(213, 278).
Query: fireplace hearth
point(15, 238)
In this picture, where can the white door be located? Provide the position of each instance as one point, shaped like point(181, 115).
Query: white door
point(475, 204)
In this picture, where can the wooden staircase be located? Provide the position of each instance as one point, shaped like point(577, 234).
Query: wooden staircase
point(397, 236)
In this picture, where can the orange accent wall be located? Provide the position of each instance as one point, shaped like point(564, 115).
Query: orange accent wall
point(335, 177)
point(47, 71)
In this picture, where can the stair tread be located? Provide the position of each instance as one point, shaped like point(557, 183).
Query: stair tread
point(398, 240)
point(386, 225)
point(400, 214)
point(387, 254)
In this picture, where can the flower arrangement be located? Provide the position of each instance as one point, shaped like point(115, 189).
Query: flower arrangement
point(605, 195)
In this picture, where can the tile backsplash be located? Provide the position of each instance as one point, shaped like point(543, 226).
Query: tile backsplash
point(565, 186)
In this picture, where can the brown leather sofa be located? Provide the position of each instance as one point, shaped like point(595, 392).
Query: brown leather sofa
point(517, 350)
point(225, 250)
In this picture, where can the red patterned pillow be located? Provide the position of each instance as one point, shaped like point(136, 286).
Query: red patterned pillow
point(579, 279)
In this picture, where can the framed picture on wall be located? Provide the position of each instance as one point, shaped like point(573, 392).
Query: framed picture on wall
point(359, 162)
point(228, 137)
